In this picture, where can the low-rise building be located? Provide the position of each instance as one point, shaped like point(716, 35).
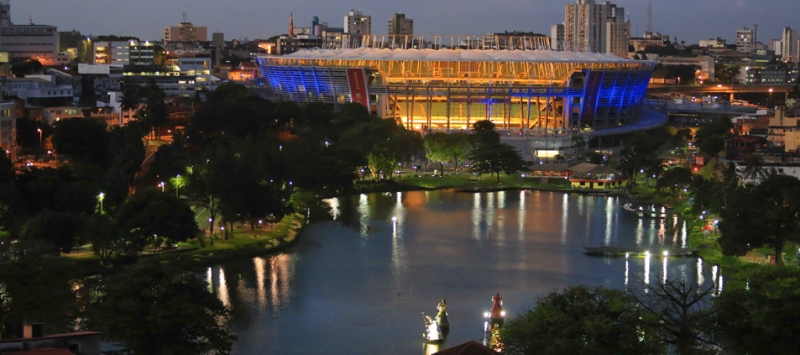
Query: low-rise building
point(740, 147)
point(595, 177)
point(39, 90)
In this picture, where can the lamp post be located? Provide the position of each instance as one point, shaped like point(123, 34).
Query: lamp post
point(100, 198)
point(40, 137)
point(770, 95)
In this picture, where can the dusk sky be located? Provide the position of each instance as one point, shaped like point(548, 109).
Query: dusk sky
point(688, 20)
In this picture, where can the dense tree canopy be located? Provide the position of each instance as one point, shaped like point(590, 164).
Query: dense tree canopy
point(758, 311)
point(582, 320)
point(764, 215)
point(156, 218)
point(155, 309)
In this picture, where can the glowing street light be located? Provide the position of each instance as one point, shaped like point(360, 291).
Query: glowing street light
point(100, 198)
point(40, 137)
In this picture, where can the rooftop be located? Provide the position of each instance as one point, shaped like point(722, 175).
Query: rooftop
point(455, 55)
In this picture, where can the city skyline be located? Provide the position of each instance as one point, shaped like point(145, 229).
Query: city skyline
point(252, 19)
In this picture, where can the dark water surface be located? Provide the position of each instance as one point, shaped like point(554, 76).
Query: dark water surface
point(358, 284)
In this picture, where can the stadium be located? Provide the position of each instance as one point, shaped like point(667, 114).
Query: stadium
point(451, 88)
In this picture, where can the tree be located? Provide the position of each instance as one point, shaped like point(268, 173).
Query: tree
point(757, 311)
point(436, 148)
point(682, 312)
point(83, 139)
point(578, 143)
point(640, 150)
point(458, 146)
point(582, 320)
point(37, 287)
point(56, 229)
point(754, 168)
point(156, 217)
point(674, 180)
point(710, 139)
point(108, 241)
point(497, 158)
point(157, 309)
point(20, 68)
point(766, 214)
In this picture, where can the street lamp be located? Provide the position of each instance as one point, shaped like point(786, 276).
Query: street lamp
point(161, 184)
point(100, 198)
point(770, 95)
point(40, 137)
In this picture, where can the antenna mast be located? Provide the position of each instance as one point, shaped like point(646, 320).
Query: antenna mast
point(650, 17)
point(184, 17)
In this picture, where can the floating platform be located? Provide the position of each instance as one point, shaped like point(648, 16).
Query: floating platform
point(636, 251)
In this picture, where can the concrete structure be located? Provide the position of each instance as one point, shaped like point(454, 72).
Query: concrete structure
point(401, 26)
point(356, 26)
point(706, 64)
point(104, 77)
point(38, 90)
point(451, 89)
point(587, 29)
point(123, 53)
point(744, 40)
point(39, 42)
point(713, 43)
point(790, 50)
point(182, 77)
point(640, 44)
point(185, 32)
point(557, 37)
point(8, 129)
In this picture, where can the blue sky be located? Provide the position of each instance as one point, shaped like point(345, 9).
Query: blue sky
point(688, 20)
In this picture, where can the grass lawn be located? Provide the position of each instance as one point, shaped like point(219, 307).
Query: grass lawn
point(242, 241)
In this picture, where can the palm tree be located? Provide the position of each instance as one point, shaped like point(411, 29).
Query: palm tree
point(754, 168)
point(578, 142)
point(131, 98)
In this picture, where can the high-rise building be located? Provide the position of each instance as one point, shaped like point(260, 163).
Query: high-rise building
point(185, 32)
point(591, 27)
point(557, 37)
point(789, 49)
point(401, 29)
point(8, 130)
point(357, 24)
point(400, 25)
point(38, 42)
point(744, 40)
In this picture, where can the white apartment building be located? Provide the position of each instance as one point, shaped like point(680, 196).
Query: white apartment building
point(356, 23)
point(35, 88)
point(587, 29)
point(790, 51)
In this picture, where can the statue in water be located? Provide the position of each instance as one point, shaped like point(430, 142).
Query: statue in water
point(441, 317)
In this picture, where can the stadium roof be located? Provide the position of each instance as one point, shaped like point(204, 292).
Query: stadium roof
point(454, 55)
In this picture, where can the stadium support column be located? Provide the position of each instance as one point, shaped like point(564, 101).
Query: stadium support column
point(411, 114)
point(469, 105)
point(428, 114)
point(448, 105)
point(528, 124)
point(408, 115)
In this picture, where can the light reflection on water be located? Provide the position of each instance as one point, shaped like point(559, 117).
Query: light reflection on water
point(360, 282)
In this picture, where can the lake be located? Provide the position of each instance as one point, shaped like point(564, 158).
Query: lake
point(359, 280)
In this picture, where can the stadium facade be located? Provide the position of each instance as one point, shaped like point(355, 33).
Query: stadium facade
point(452, 88)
